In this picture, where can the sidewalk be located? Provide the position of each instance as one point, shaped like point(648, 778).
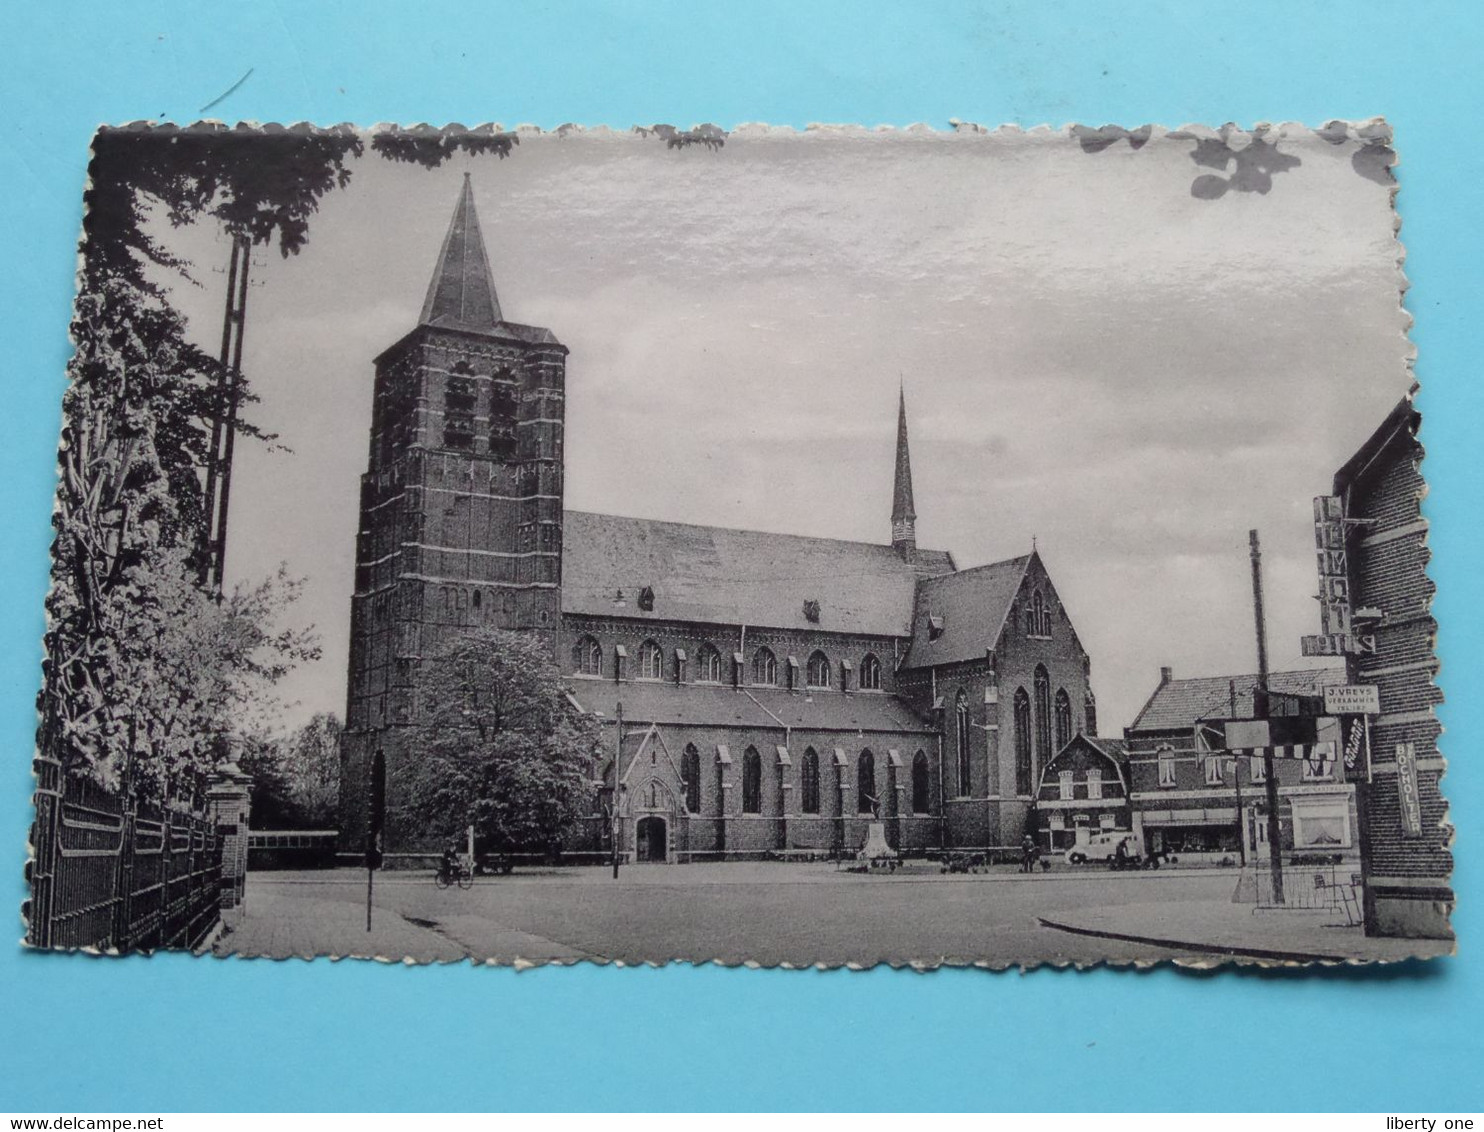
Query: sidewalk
point(281, 924)
point(1207, 928)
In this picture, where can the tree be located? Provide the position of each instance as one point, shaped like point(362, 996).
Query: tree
point(311, 765)
point(144, 670)
point(499, 746)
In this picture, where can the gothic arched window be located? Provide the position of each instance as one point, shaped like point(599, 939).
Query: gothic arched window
point(865, 784)
point(752, 782)
point(961, 738)
point(819, 670)
point(870, 673)
point(921, 790)
point(1063, 718)
point(764, 668)
point(1023, 768)
point(708, 664)
point(809, 781)
point(459, 396)
point(587, 657)
point(1038, 617)
point(651, 661)
point(690, 769)
point(1043, 715)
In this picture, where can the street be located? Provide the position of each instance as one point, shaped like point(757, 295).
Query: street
point(761, 913)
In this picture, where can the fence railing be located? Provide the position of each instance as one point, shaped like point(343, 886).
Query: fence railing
point(111, 873)
point(1312, 887)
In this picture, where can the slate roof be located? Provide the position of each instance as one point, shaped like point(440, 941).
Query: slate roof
point(720, 705)
point(1177, 704)
point(734, 577)
point(902, 507)
point(462, 292)
point(972, 604)
point(1115, 749)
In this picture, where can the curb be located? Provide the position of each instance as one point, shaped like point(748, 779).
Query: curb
point(1236, 952)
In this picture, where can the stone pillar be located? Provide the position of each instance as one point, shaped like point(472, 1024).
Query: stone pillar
point(228, 804)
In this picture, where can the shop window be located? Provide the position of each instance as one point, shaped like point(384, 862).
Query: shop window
point(1323, 825)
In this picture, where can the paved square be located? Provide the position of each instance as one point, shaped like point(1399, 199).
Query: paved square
point(762, 913)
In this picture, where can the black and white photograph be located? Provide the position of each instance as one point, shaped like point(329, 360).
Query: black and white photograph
point(809, 548)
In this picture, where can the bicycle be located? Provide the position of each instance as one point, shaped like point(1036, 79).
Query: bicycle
point(446, 877)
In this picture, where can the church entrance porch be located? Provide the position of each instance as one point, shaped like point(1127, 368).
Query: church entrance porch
point(651, 839)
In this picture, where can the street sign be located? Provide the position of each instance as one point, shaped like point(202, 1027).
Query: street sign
point(1246, 734)
point(1352, 699)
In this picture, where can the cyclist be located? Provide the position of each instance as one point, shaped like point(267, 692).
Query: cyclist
point(450, 866)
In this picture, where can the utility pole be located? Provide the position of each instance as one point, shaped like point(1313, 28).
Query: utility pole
point(1260, 711)
point(1231, 688)
point(224, 417)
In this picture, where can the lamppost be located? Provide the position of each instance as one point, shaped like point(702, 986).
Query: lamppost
point(617, 790)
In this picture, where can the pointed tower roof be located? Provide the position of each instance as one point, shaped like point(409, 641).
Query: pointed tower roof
point(901, 499)
point(462, 292)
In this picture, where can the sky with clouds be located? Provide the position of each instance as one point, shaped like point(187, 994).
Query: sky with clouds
point(1094, 357)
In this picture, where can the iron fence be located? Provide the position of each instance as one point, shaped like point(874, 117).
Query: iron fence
point(111, 873)
point(1333, 887)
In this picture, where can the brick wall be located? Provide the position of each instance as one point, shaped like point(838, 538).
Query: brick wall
point(1408, 889)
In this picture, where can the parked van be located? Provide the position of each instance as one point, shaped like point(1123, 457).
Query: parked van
point(1103, 847)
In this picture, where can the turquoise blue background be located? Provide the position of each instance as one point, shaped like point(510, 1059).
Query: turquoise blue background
point(172, 1033)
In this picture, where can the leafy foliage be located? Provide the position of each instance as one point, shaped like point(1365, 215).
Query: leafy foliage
point(295, 777)
point(430, 147)
point(145, 670)
point(147, 673)
point(261, 187)
point(500, 746)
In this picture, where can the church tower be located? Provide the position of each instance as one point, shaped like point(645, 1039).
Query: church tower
point(903, 514)
point(461, 505)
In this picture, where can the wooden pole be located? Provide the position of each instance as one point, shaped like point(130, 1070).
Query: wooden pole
point(1260, 711)
point(218, 419)
point(229, 433)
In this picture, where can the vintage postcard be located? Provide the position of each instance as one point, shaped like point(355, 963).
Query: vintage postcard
point(755, 546)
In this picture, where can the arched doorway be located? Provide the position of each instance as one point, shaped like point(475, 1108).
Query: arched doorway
point(651, 839)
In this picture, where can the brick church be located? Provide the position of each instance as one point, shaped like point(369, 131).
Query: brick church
point(778, 692)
